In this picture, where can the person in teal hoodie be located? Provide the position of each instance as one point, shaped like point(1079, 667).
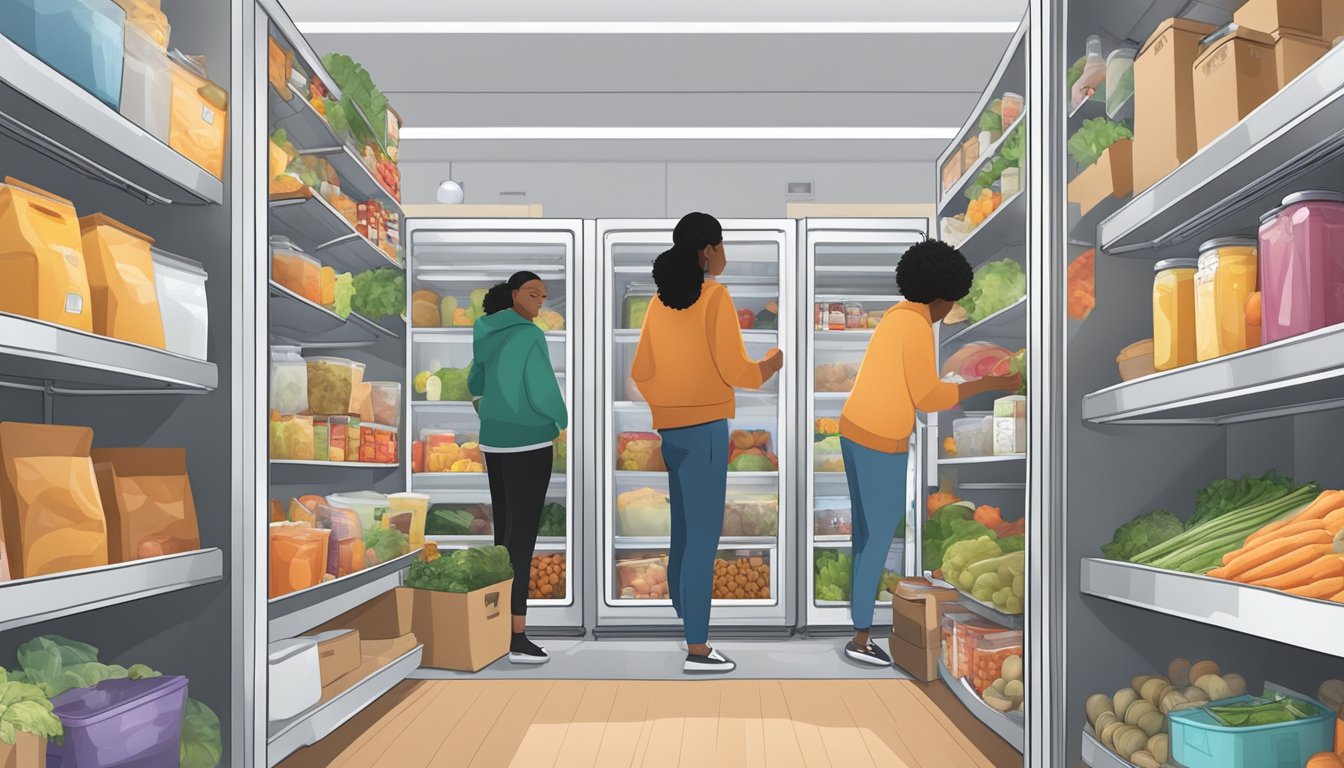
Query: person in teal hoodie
point(522, 413)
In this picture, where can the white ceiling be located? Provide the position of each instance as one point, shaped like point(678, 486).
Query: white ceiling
point(504, 78)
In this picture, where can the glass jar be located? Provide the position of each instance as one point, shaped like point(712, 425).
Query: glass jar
point(289, 381)
point(1225, 279)
point(1302, 265)
point(1174, 313)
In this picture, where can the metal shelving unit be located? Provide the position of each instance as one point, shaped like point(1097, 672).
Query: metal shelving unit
point(311, 221)
point(298, 612)
point(1003, 326)
point(1006, 225)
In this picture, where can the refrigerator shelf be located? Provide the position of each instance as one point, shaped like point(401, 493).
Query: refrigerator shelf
point(956, 192)
point(961, 461)
point(297, 612)
point(43, 598)
point(292, 314)
point(1290, 142)
point(825, 339)
point(448, 406)
point(324, 234)
point(423, 482)
point(1095, 755)
point(334, 464)
point(465, 335)
point(1008, 325)
point(1257, 611)
point(1006, 225)
point(1297, 375)
point(734, 478)
point(485, 272)
point(544, 543)
point(725, 542)
point(1008, 726)
point(750, 336)
point(289, 736)
point(827, 298)
point(75, 362)
point(356, 180)
point(45, 111)
point(990, 613)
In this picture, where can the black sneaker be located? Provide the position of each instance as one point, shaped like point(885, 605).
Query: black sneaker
point(524, 651)
point(712, 664)
point(869, 654)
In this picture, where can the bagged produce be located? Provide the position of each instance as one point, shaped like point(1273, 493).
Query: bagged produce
point(298, 557)
point(978, 360)
point(425, 309)
point(42, 257)
point(198, 126)
point(643, 512)
point(835, 377)
point(751, 515)
point(125, 301)
point(642, 578)
point(50, 508)
point(749, 451)
point(639, 452)
point(147, 502)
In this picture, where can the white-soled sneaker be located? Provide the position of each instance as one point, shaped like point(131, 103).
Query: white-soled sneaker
point(524, 651)
point(712, 664)
point(870, 654)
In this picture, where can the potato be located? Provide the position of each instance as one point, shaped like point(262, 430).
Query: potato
point(1128, 740)
point(1152, 690)
point(1096, 704)
point(1137, 683)
point(1152, 723)
point(1203, 668)
point(997, 702)
point(1012, 668)
point(1173, 701)
point(1108, 734)
point(1015, 690)
point(1331, 694)
point(1179, 672)
point(1122, 701)
point(1160, 747)
point(1195, 694)
point(1106, 719)
point(1237, 684)
point(1137, 710)
point(1215, 686)
point(1144, 759)
point(1163, 695)
point(999, 685)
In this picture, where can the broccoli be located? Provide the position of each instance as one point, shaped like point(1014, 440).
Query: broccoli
point(1142, 533)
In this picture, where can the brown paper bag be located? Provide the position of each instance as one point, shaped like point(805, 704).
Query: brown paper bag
point(50, 510)
point(147, 501)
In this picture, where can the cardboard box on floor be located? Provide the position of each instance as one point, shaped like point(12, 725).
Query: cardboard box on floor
point(463, 631)
point(920, 663)
point(1232, 77)
point(1164, 100)
point(1111, 176)
point(918, 621)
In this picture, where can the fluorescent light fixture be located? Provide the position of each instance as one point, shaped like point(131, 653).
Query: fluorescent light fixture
point(372, 27)
point(677, 134)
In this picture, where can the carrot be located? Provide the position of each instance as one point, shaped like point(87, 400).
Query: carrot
point(1290, 530)
point(1325, 503)
point(1319, 590)
point(1323, 566)
point(1296, 557)
point(1257, 557)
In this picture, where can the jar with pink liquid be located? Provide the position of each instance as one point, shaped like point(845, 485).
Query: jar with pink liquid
point(1302, 265)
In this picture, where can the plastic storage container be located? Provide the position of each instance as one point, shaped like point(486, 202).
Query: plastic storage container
point(82, 39)
point(960, 631)
point(199, 115)
point(637, 298)
point(1200, 741)
point(1119, 79)
point(345, 547)
point(639, 452)
point(180, 284)
point(289, 381)
point(1136, 360)
point(386, 396)
point(643, 512)
point(832, 516)
point(642, 578)
point(1010, 109)
point(146, 84)
point(826, 455)
point(298, 557)
point(329, 384)
point(751, 514)
point(1302, 265)
point(291, 438)
point(295, 270)
point(974, 436)
point(369, 506)
point(1174, 313)
point(378, 444)
point(1226, 277)
point(121, 281)
point(43, 257)
point(121, 723)
point(988, 652)
point(295, 674)
point(415, 508)
point(1010, 426)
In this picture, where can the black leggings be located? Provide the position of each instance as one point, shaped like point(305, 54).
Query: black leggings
point(518, 485)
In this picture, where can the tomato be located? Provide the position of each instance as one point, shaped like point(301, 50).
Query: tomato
point(746, 318)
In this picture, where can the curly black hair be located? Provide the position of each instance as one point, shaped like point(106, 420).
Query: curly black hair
point(677, 271)
point(500, 297)
point(933, 270)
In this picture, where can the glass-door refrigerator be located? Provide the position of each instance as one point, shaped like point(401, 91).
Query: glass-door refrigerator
point(452, 263)
point(752, 569)
point(848, 277)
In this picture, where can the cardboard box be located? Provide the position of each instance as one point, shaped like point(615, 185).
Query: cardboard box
point(27, 751)
point(921, 663)
point(918, 621)
point(385, 617)
point(384, 652)
point(1232, 77)
point(1271, 15)
point(463, 631)
point(1332, 20)
point(1164, 100)
point(338, 654)
point(1111, 176)
point(1294, 53)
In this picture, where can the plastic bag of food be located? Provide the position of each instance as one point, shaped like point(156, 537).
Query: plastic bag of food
point(43, 257)
point(148, 502)
point(121, 281)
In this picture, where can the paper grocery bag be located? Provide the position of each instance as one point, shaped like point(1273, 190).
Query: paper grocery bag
point(50, 510)
point(147, 502)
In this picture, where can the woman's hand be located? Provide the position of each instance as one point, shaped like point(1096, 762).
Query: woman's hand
point(771, 364)
point(1010, 383)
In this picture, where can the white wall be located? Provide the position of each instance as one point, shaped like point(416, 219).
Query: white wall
point(669, 190)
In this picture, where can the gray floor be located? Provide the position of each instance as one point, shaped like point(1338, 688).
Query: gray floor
point(798, 659)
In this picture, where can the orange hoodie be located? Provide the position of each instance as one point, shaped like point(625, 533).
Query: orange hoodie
point(899, 375)
point(689, 360)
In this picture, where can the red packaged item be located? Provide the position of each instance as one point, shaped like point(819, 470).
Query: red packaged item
point(418, 456)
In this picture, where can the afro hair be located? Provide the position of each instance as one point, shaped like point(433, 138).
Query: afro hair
point(933, 270)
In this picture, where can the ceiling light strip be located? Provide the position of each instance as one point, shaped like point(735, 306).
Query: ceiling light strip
point(677, 134)
point(656, 28)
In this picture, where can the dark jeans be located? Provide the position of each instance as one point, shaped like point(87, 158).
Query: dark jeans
point(518, 485)
point(697, 467)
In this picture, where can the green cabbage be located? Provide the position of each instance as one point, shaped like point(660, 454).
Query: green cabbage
point(1142, 533)
point(996, 286)
point(379, 293)
point(202, 739)
point(454, 381)
point(448, 521)
point(386, 543)
point(946, 527)
point(552, 520)
point(25, 709)
point(465, 570)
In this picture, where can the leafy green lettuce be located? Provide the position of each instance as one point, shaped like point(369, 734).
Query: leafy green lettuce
point(1008, 156)
point(996, 286)
point(202, 740)
point(345, 292)
point(465, 570)
point(448, 521)
point(552, 520)
point(357, 89)
point(1223, 496)
point(386, 543)
point(1089, 142)
point(379, 293)
point(25, 709)
point(1142, 533)
point(834, 570)
point(948, 526)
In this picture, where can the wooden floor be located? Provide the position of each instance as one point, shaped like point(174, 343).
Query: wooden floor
point(738, 723)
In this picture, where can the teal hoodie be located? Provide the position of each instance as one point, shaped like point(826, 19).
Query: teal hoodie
point(511, 372)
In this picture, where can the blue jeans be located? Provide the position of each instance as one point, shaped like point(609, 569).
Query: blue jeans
point(697, 472)
point(877, 507)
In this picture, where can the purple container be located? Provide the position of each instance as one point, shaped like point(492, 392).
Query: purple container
point(121, 723)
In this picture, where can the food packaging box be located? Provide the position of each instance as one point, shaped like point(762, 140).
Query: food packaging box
point(1332, 20)
point(1137, 360)
point(180, 285)
point(463, 631)
point(383, 618)
point(1303, 16)
point(338, 654)
point(295, 677)
point(920, 663)
point(1111, 176)
point(121, 723)
point(1010, 425)
point(147, 502)
point(1294, 53)
point(1232, 77)
point(916, 619)
point(43, 258)
point(27, 751)
point(1200, 741)
point(1164, 100)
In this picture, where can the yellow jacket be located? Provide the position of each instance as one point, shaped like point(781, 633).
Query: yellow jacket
point(689, 360)
point(899, 375)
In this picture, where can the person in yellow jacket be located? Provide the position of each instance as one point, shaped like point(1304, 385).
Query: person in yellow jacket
point(689, 359)
point(898, 376)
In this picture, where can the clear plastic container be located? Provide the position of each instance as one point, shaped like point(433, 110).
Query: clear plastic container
point(416, 505)
point(1174, 313)
point(369, 506)
point(1010, 425)
point(988, 652)
point(329, 380)
point(832, 516)
point(959, 633)
point(637, 298)
point(295, 270)
point(1302, 265)
point(952, 171)
point(1010, 182)
point(345, 547)
point(641, 578)
point(386, 396)
point(1200, 741)
point(826, 455)
point(751, 514)
point(339, 446)
point(82, 39)
point(148, 18)
point(291, 438)
point(1226, 277)
point(974, 436)
point(643, 512)
point(120, 722)
point(639, 452)
point(289, 381)
point(1119, 79)
point(377, 444)
point(298, 557)
point(180, 283)
point(146, 84)
point(742, 574)
point(1011, 109)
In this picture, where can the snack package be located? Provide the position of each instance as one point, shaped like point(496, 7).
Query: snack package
point(147, 501)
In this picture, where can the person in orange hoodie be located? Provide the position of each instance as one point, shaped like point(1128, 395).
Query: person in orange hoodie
point(898, 376)
point(689, 359)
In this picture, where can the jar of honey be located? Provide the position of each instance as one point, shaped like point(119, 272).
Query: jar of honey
point(1174, 313)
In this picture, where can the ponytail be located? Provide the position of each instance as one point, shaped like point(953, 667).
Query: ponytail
point(500, 296)
point(677, 272)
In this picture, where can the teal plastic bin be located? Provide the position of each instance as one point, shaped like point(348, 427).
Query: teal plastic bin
point(1200, 741)
point(85, 40)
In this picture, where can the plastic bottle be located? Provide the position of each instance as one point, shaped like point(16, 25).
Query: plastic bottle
point(1094, 73)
